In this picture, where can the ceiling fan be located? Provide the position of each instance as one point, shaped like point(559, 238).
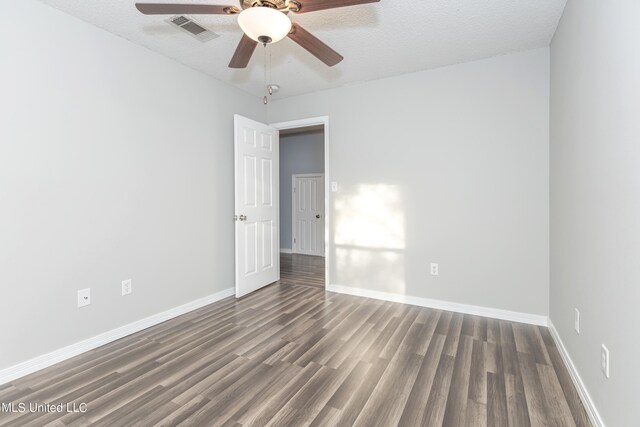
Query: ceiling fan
point(263, 21)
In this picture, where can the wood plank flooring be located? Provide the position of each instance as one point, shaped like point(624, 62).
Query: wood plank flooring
point(303, 270)
point(293, 355)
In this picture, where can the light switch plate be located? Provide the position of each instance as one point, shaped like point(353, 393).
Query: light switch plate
point(84, 297)
point(334, 186)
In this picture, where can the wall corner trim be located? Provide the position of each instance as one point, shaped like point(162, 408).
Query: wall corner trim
point(40, 362)
point(585, 397)
point(495, 313)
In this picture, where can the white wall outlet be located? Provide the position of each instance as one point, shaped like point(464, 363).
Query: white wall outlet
point(84, 297)
point(576, 320)
point(334, 187)
point(604, 360)
point(434, 269)
point(127, 287)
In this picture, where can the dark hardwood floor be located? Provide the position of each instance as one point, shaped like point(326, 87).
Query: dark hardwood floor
point(293, 355)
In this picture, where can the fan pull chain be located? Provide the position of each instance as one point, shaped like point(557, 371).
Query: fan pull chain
point(265, 100)
point(270, 75)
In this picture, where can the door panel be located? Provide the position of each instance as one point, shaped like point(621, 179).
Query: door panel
point(249, 181)
point(267, 244)
point(267, 182)
point(251, 238)
point(308, 214)
point(256, 205)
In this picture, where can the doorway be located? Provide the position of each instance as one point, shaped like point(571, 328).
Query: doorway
point(303, 203)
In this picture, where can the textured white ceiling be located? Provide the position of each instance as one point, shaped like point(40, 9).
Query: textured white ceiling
point(377, 40)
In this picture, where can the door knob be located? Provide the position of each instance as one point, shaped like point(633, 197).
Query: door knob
point(318, 216)
point(243, 218)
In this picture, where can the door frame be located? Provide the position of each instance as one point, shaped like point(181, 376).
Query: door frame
point(293, 207)
point(314, 121)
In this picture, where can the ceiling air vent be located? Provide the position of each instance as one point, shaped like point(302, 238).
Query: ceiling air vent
point(193, 28)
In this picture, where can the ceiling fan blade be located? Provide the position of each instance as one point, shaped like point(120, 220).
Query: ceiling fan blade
point(314, 45)
point(179, 9)
point(243, 52)
point(313, 5)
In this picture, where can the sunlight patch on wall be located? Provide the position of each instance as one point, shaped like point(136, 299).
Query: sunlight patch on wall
point(370, 238)
point(370, 217)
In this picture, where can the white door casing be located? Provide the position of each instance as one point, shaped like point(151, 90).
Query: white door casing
point(308, 214)
point(324, 122)
point(257, 233)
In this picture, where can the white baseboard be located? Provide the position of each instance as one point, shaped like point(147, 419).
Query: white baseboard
point(286, 251)
point(495, 313)
point(25, 368)
point(589, 405)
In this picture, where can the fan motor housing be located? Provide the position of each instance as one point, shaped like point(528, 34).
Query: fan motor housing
point(275, 4)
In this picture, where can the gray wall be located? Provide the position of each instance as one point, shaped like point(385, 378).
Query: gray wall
point(299, 153)
point(595, 197)
point(115, 163)
point(447, 166)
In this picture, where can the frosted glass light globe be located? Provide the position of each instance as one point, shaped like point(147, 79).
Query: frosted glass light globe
point(264, 24)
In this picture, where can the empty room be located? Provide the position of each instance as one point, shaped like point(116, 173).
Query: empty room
point(320, 213)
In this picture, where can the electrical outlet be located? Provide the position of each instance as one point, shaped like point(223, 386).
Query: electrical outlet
point(604, 360)
point(434, 269)
point(576, 320)
point(84, 297)
point(127, 287)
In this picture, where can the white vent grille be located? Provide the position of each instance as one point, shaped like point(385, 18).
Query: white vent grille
point(191, 27)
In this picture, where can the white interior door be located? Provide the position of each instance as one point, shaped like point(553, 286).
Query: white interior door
point(256, 205)
point(308, 214)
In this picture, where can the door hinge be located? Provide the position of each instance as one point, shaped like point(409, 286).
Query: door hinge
point(294, 240)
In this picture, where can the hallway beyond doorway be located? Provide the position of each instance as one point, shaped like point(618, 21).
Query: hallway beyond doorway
point(303, 270)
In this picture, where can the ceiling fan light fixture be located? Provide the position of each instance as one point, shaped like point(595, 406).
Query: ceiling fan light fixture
point(264, 24)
